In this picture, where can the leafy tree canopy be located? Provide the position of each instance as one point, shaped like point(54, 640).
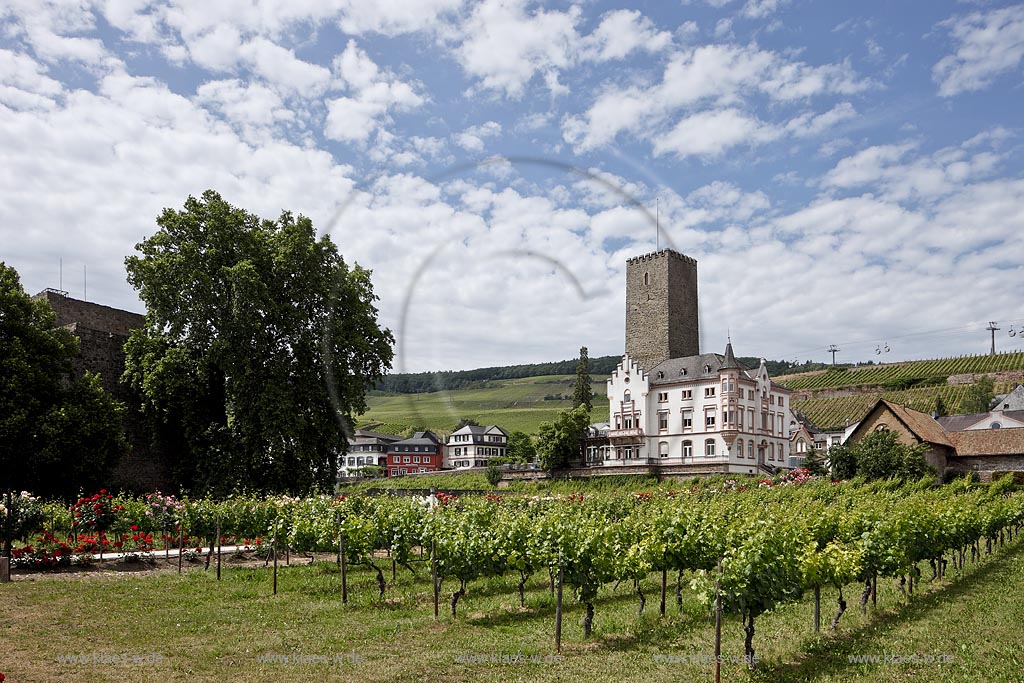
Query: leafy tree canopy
point(879, 455)
point(559, 441)
point(259, 343)
point(978, 396)
point(57, 433)
point(520, 448)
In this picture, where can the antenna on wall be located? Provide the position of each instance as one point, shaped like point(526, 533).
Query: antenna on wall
point(657, 223)
point(85, 282)
point(60, 278)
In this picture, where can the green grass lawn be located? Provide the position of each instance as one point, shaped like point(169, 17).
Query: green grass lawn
point(193, 626)
point(515, 404)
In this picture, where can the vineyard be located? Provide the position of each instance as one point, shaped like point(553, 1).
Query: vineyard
point(738, 544)
point(833, 413)
point(901, 375)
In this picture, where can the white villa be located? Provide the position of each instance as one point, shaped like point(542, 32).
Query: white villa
point(474, 446)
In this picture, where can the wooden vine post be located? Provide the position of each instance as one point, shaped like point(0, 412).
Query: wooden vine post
point(218, 546)
point(274, 550)
point(181, 543)
point(558, 607)
point(433, 555)
point(718, 624)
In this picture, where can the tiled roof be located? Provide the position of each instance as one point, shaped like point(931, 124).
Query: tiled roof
point(989, 442)
point(922, 424)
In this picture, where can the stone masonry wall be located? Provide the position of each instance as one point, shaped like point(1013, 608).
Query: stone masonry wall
point(662, 313)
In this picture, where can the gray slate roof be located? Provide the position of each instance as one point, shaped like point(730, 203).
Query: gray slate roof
point(672, 369)
point(958, 423)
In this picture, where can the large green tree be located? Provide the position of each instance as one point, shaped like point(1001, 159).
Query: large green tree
point(559, 441)
point(583, 395)
point(520, 448)
point(260, 343)
point(879, 455)
point(58, 433)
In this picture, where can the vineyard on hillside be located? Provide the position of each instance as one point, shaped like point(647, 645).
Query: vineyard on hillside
point(903, 375)
point(833, 413)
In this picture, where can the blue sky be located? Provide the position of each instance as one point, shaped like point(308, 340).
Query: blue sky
point(844, 173)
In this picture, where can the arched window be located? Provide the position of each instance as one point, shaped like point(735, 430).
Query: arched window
point(647, 279)
point(687, 449)
point(882, 428)
point(707, 369)
point(709, 447)
point(663, 449)
point(626, 396)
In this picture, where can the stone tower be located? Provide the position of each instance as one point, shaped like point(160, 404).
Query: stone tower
point(661, 308)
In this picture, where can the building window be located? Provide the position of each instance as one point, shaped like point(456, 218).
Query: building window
point(739, 448)
point(995, 425)
point(750, 450)
point(628, 452)
point(725, 386)
point(663, 421)
point(739, 418)
point(416, 459)
point(709, 447)
point(406, 459)
point(687, 420)
point(750, 394)
point(780, 400)
point(647, 279)
point(709, 418)
point(780, 425)
point(882, 428)
point(626, 397)
point(687, 394)
point(707, 369)
point(709, 392)
point(662, 397)
point(687, 449)
point(663, 449)
point(423, 469)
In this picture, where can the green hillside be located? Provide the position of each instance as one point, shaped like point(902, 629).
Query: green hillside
point(514, 404)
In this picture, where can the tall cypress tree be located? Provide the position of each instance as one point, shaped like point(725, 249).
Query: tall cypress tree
point(582, 395)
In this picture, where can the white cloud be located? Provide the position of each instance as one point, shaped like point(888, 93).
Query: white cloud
point(717, 79)
point(988, 44)
point(249, 107)
point(373, 95)
point(394, 17)
point(709, 133)
point(620, 33)
point(472, 139)
point(887, 168)
point(24, 83)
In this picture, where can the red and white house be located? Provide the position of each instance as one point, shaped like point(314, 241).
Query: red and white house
point(422, 453)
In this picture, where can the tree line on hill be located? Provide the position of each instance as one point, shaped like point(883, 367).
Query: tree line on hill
point(448, 380)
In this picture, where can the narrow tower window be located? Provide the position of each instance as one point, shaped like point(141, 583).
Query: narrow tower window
point(647, 279)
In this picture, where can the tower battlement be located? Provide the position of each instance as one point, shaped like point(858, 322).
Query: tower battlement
point(662, 253)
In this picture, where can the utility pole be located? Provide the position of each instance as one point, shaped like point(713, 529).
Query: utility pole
point(993, 329)
point(833, 349)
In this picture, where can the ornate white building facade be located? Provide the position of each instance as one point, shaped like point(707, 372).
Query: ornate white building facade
point(706, 409)
point(671, 405)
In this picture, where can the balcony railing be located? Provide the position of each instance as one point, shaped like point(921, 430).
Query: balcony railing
point(632, 433)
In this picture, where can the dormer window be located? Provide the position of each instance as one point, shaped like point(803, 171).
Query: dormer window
point(707, 369)
point(683, 372)
point(661, 375)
